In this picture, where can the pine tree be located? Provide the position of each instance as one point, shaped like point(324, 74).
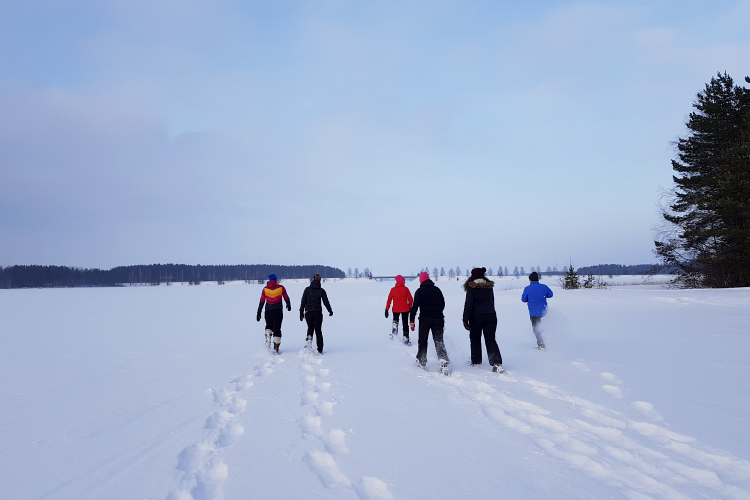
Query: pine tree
point(707, 220)
point(571, 280)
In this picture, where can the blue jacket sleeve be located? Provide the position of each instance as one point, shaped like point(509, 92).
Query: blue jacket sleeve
point(549, 292)
point(525, 295)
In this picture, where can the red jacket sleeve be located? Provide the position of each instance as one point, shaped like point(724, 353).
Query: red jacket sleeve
point(263, 296)
point(409, 299)
point(390, 298)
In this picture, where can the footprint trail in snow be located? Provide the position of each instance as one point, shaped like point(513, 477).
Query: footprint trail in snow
point(203, 470)
point(323, 462)
point(642, 459)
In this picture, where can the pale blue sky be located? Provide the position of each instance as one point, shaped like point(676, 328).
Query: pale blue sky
point(392, 135)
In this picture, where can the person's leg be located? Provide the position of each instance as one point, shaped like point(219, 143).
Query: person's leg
point(404, 323)
point(424, 332)
point(437, 337)
point(310, 326)
point(278, 318)
point(493, 351)
point(269, 329)
point(475, 341)
point(319, 331)
point(537, 327)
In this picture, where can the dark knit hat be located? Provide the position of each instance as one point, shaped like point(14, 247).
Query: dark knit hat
point(272, 277)
point(534, 276)
point(478, 272)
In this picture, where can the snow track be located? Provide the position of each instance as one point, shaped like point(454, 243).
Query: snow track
point(641, 459)
point(204, 471)
point(323, 462)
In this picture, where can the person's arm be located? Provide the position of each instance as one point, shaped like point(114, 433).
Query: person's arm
point(286, 299)
point(409, 298)
point(468, 305)
point(549, 292)
point(390, 299)
point(414, 307)
point(442, 300)
point(302, 305)
point(525, 295)
point(260, 306)
point(324, 296)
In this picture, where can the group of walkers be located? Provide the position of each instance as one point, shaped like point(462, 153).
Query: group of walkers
point(310, 309)
point(479, 315)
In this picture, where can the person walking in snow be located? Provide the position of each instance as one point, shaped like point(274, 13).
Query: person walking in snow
point(536, 295)
point(272, 296)
point(311, 310)
point(429, 301)
point(402, 302)
point(480, 318)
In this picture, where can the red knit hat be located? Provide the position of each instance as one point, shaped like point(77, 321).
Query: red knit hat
point(400, 279)
point(423, 277)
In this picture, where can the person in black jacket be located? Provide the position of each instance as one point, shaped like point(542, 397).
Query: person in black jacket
point(480, 318)
point(430, 302)
point(311, 310)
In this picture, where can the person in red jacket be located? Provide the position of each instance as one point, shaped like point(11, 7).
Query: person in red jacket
point(402, 302)
point(272, 296)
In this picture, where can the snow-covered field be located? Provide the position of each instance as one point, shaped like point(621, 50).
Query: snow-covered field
point(168, 392)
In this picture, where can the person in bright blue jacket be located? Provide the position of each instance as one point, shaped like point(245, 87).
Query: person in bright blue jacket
point(536, 295)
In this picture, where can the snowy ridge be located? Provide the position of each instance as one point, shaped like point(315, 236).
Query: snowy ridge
point(603, 444)
point(323, 463)
point(204, 471)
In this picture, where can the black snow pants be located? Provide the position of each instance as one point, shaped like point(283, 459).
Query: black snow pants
point(315, 324)
point(274, 317)
point(404, 320)
point(436, 325)
point(484, 324)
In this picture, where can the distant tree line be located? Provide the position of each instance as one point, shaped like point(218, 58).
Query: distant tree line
point(153, 274)
point(620, 270)
point(706, 216)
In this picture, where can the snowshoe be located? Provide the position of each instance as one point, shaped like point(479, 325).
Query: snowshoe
point(422, 363)
point(308, 343)
point(444, 368)
point(394, 329)
point(498, 369)
point(541, 347)
point(407, 341)
point(268, 338)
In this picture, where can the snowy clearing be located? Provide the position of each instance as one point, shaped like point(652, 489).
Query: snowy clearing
point(168, 392)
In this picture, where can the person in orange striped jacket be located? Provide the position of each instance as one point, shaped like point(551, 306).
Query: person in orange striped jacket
point(402, 302)
point(272, 296)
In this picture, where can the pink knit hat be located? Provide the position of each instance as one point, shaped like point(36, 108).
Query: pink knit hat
point(400, 279)
point(423, 277)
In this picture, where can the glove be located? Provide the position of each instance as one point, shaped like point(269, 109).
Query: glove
point(466, 325)
point(288, 307)
point(411, 325)
point(257, 317)
point(330, 313)
point(301, 316)
point(386, 313)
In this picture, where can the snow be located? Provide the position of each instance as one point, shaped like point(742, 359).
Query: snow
point(169, 393)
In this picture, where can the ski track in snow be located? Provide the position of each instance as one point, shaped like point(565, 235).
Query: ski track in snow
point(323, 463)
point(604, 444)
point(204, 471)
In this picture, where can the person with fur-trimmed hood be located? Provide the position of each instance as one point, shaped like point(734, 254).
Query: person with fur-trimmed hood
point(402, 301)
point(272, 296)
point(480, 318)
point(311, 310)
point(429, 300)
point(536, 295)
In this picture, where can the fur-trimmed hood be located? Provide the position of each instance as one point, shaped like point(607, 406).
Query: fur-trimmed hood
point(479, 283)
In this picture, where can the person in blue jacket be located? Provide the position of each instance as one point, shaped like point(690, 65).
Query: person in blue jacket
point(536, 295)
